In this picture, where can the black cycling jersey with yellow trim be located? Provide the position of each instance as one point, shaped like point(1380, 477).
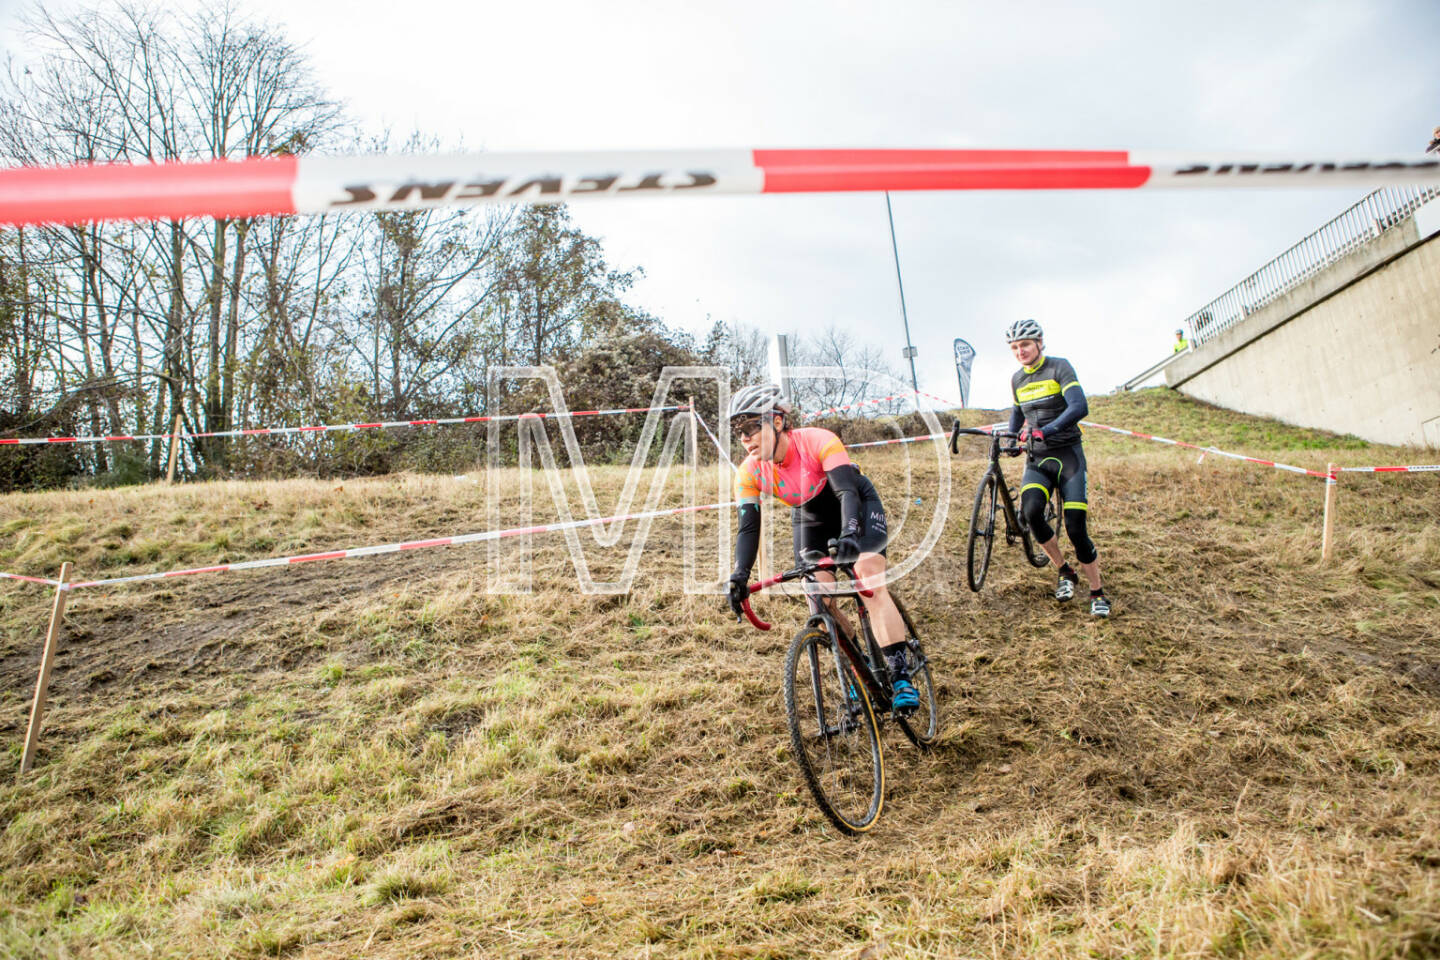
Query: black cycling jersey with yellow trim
point(1039, 393)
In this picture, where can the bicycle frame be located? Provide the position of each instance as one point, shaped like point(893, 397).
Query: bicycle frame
point(820, 614)
point(1014, 520)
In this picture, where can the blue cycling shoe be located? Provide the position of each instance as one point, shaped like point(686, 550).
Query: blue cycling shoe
point(906, 699)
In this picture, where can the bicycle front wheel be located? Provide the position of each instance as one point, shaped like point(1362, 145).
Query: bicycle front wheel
point(833, 732)
point(982, 532)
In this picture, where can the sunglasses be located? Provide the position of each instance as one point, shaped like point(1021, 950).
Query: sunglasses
point(748, 428)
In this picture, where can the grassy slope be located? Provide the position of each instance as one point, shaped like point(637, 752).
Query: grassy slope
point(375, 757)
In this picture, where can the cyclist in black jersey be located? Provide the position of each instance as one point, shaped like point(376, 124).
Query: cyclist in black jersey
point(1050, 404)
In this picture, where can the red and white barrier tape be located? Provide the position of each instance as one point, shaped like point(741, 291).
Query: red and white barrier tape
point(1217, 452)
point(1147, 436)
point(387, 547)
point(16, 576)
point(881, 443)
point(927, 436)
point(949, 404)
point(326, 428)
point(1423, 468)
point(863, 403)
point(718, 445)
point(316, 184)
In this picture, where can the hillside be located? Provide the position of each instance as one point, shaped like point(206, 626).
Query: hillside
point(374, 757)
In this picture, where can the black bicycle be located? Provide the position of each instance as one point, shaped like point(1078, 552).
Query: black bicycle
point(837, 692)
point(992, 493)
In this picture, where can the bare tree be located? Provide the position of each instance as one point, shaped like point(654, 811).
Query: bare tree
point(860, 372)
point(120, 327)
point(127, 82)
point(557, 288)
point(22, 329)
point(740, 347)
point(425, 280)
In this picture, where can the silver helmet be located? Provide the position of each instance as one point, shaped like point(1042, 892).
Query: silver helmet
point(1024, 330)
point(758, 400)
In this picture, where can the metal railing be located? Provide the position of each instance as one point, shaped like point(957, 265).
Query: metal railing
point(1365, 221)
point(1140, 378)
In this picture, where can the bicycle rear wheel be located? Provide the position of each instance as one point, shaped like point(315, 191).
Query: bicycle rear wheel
point(833, 732)
point(982, 532)
point(922, 725)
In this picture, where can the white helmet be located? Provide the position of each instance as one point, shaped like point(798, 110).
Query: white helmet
point(1024, 330)
point(758, 400)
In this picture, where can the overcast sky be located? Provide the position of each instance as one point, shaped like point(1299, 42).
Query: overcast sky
point(1109, 274)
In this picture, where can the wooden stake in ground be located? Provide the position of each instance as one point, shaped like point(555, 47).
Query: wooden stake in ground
point(1330, 484)
point(42, 684)
point(692, 479)
point(174, 449)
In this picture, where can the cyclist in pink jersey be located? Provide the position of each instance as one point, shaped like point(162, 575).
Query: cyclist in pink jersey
point(808, 468)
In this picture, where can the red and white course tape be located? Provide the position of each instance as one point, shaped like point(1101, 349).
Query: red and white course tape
point(949, 404)
point(16, 576)
point(863, 403)
point(1423, 468)
point(383, 548)
point(329, 427)
point(716, 440)
point(881, 443)
point(314, 184)
point(927, 436)
point(1217, 452)
point(1147, 436)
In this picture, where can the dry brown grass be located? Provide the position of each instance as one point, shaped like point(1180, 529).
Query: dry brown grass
point(376, 758)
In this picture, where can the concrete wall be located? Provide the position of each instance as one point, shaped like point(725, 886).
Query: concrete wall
point(1355, 349)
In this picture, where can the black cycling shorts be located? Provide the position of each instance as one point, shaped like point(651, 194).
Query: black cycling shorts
point(1065, 467)
point(817, 521)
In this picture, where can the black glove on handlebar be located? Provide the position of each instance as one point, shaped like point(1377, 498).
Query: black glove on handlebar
point(738, 591)
point(847, 549)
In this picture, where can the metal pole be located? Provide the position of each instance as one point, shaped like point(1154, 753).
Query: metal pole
point(904, 318)
point(780, 363)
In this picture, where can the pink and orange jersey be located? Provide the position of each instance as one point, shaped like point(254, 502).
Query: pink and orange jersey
point(800, 476)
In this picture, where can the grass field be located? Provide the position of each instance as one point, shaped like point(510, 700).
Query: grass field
point(376, 757)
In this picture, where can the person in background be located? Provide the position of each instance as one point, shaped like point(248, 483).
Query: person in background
point(1050, 404)
point(1181, 344)
point(1434, 142)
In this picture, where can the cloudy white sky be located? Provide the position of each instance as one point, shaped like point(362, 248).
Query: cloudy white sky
point(1109, 274)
